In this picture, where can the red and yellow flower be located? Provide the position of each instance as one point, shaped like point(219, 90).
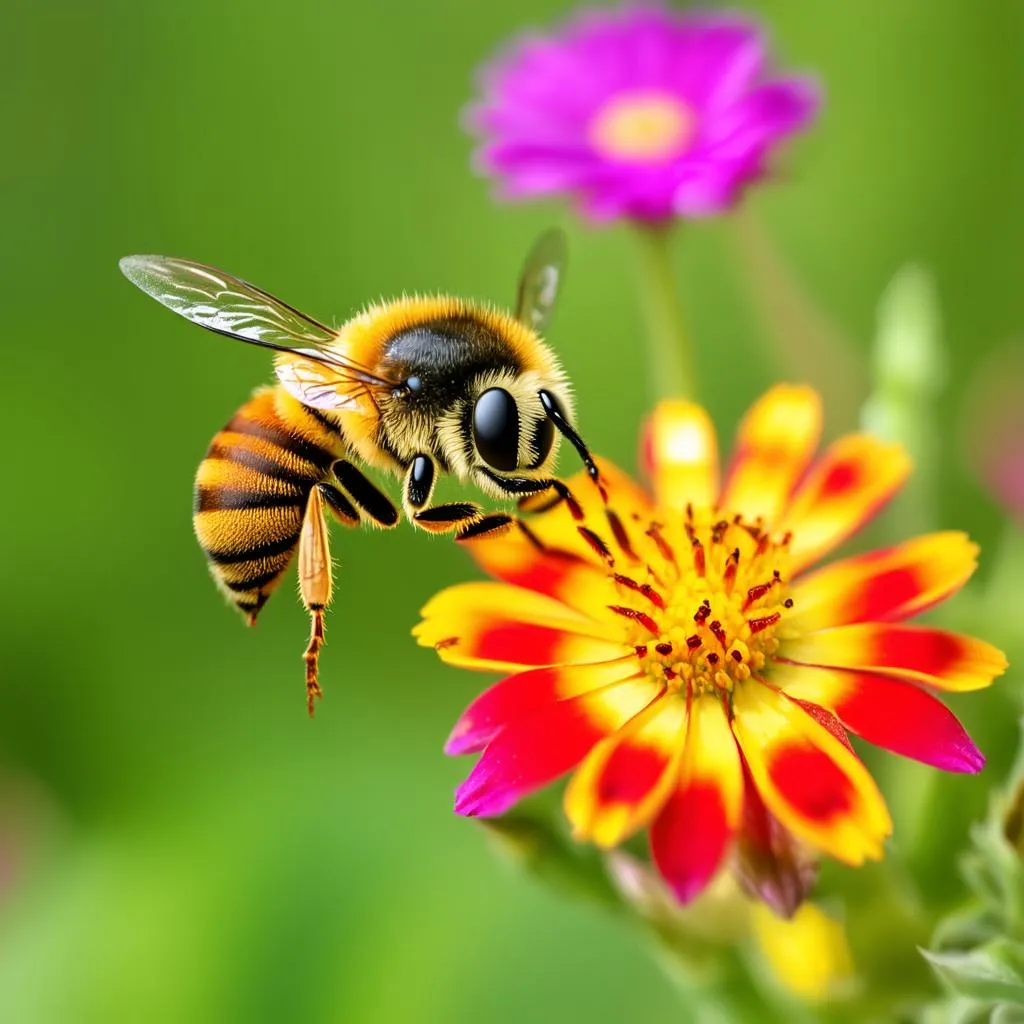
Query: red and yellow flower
point(675, 650)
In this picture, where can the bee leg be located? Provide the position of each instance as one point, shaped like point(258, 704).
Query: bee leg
point(561, 423)
point(340, 507)
point(366, 495)
point(524, 485)
point(315, 584)
point(419, 486)
point(488, 526)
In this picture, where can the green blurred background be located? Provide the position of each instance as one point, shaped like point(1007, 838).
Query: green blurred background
point(177, 840)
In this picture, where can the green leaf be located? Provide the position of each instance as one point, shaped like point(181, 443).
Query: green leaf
point(993, 973)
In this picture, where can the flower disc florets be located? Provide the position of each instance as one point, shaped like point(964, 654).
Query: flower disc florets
point(705, 616)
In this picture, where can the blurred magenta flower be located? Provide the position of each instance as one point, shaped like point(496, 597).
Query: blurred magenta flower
point(641, 112)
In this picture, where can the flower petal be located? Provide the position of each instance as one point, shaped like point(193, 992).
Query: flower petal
point(894, 715)
point(497, 627)
point(854, 478)
point(775, 444)
point(690, 835)
point(770, 862)
point(679, 453)
point(949, 661)
point(809, 954)
point(526, 692)
point(533, 751)
point(892, 584)
point(570, 578)
point(624, 780)
point(815, 786)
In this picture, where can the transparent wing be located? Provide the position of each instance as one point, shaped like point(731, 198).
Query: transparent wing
point(309, 368)
point(541, 278)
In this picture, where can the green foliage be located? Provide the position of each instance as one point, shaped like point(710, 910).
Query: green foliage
point(978, 950)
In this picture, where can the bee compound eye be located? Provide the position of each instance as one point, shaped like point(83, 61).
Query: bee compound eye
point(541, 441)
point(496, 429)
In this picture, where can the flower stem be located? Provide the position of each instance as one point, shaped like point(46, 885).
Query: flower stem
point(670, 353)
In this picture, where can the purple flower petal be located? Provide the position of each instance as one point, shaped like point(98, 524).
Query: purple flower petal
point(543, 96)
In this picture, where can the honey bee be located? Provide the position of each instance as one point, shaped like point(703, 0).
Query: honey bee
point(416, 387)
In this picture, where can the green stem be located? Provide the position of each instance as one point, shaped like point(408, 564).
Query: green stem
point(669, 350)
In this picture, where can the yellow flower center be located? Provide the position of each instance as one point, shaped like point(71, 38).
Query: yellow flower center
point(704, 613)
point(643, 126)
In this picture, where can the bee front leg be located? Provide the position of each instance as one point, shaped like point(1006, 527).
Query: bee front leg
point(420, 478)
point(315, 583)
point(525, 486)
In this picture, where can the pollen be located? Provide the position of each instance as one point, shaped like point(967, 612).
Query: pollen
point(645, 127)
point(702, 608)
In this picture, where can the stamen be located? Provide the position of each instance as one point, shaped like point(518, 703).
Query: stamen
point(756, 625)
point(637, 616)
point(663, 649)
point(620, 534)
point(788, 603)
point(736, 656)
point(598, 545)
point(712, 658)
point(699, 561)
point(569, 498)
point(640, 650)
point(693, 642)
point(702, 612)
point(756, 592)
point(654, 532)
point(641, 588)
point(732, 564)
point(716, 628)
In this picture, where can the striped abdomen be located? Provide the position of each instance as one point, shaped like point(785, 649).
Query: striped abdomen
point(251, 492)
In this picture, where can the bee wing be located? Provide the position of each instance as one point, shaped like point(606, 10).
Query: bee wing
point(541, 278)
point(309, 367)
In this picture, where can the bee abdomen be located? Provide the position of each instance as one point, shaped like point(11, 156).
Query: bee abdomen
point(251, 492)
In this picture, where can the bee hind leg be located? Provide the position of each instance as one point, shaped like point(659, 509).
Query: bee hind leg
point(315, 584)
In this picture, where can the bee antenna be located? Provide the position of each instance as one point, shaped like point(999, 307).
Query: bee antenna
point(554, 413)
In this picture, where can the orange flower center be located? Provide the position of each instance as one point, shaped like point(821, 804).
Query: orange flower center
point(705, 616)
point(644, 126)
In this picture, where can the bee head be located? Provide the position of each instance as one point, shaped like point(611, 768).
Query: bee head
point(507, 425)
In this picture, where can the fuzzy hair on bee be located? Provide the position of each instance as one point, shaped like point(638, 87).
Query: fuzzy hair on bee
point(419, 386)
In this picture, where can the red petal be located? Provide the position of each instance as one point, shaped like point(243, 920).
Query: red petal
point(776, 441)
point(505, 628)
point(895, 715)
point(526, 692)
point(770, 863)
point(892, 584)
point(626, 777)
point(815, 786)
point(691, 834)
point(949, 661)
point(533, 751)
point(855, 477)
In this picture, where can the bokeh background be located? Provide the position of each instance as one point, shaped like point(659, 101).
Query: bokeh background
point(177, 840)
